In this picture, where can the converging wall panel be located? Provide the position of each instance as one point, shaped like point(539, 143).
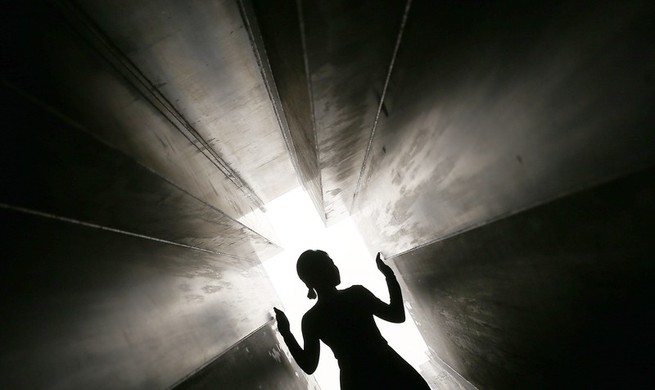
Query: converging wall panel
point(87, 308)
point(559, 296)
point(494, 108)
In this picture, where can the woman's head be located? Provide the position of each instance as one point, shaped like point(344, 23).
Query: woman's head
point(317, 270)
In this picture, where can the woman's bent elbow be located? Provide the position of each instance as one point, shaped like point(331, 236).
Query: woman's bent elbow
point(399, 318)
point(308, 368)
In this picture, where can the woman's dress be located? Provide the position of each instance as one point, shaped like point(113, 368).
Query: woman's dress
point(345, 323)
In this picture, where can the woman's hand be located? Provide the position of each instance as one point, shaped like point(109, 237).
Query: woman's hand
point(282, 321)
point(385, 269)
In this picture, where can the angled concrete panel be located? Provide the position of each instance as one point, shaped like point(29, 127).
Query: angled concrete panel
point(87, 308)
point(278, 26)
point(49, 166)
point(559, 296)
point(497, 107)
point(260, 361)
point(199, 57)
point(349, 46)
point(52, 57)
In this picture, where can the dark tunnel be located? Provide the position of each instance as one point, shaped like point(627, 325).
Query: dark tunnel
point(500, 154)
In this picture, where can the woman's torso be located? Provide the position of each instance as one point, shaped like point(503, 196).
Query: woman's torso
point(345, 323)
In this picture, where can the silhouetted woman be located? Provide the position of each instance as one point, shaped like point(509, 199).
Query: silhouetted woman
point(343, 319)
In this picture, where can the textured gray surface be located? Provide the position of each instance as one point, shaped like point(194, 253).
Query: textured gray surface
point(199, 56)
point(170, 126)
point(71, 67)
point(349, 47)
point(441, 377)
point(559, 296)
point(49, 166)
point(280, 44)
point(86, 308)
point(91, 307)
point(496, 107)
point(260, 361)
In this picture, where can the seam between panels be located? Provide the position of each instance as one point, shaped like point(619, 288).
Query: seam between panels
point(74, 221)
point(91, 32)
point(54, 112)
point(364, 168)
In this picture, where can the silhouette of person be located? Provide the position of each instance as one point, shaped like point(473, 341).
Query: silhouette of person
point(343, 320)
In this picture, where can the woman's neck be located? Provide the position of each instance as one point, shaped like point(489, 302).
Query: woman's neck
point(327, 292)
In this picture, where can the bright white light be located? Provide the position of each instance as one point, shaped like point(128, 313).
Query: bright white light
point(299, 228)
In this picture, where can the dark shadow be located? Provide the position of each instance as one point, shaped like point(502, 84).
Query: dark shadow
point(343, 320)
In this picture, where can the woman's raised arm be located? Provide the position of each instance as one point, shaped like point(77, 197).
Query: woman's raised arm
point(306, 358)
point(394, 311)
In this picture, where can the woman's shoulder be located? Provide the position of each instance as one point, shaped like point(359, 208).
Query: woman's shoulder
point(312, 313)
point(360, 294)
point(356, 289)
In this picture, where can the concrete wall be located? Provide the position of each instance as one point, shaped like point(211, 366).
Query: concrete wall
point(260, 361)
point(277, 34)
point(493, 109)
point(199, 58)
point(329, 61)
point(121, 74)
point(349, 45)
point(111, 276)
point(129, 256)
point(88, 308)
point(496, 107)
point(51, 166)
point(559, 296)
point(144, 137)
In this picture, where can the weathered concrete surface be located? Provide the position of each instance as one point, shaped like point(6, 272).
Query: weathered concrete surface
point(86, 308)
point(441, 377)
point(48, 165)
point(72, 69)
point(496, 107)
point(199, 56)
point(560, 296)
point(491, 109)
point(91, 308)
point(277, 25)
point(261, 361)
point(349, 47)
